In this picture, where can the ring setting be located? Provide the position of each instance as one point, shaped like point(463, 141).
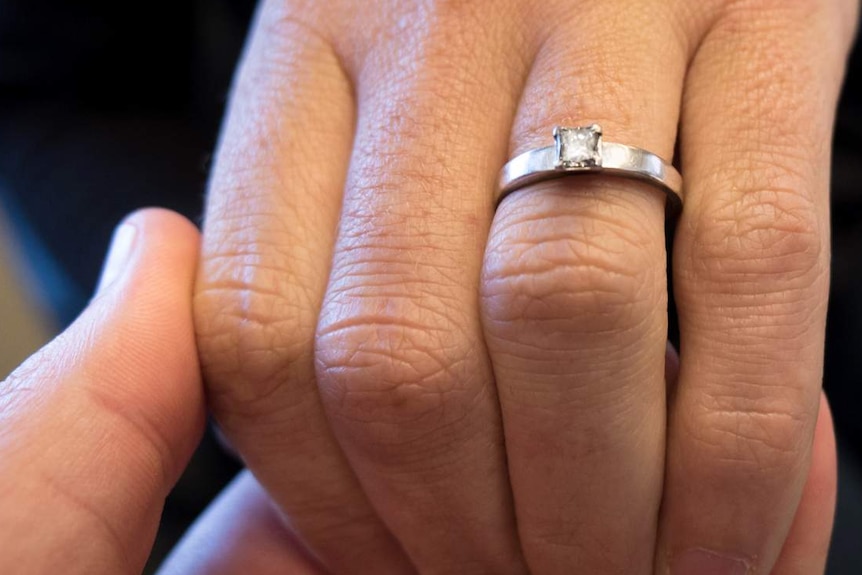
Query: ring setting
point(583, 150)
point(578, 148)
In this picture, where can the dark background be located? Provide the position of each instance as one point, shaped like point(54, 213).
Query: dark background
point(108, 106)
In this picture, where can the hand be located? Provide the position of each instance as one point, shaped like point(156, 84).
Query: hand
point(427, 386)
point(96, 427)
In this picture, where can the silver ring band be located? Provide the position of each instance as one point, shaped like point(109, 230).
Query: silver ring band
point(582, 151)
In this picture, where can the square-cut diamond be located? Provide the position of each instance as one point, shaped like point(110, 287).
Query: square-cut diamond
point(578, 147)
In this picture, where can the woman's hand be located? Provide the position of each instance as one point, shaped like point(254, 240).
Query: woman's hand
point(427, 386)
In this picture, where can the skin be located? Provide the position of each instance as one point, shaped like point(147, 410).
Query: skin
point(97, 426)
point(420, 384)
point(426, 385)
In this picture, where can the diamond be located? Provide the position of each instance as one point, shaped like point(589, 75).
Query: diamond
point(578, 147)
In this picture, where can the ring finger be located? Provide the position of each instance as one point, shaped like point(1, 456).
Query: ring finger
point(574, 297)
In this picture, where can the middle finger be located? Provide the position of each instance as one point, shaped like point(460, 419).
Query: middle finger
point(400, 358)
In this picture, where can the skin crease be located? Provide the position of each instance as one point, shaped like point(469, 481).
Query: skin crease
point(349, 361)
point(421, 384)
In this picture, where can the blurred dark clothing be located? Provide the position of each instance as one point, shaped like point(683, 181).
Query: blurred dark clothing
point(108, 106)
point(104, 107)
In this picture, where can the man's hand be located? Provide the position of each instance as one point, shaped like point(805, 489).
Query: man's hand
point(96, 427)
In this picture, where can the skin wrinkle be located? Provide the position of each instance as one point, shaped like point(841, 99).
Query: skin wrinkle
point(244, 278)
point(617, 407)
point(16, 394)
point(263, 286)
point(431, 452)
point(758, 315)
point(129, 435)
point(421, 174)
point(237, 216)
point(398, 267)
point(298, 23)
point(382, 319)
point(119, 548)
point(771, 270)
point(251, 310)
point(576, 269)
point(146, 431)
point(602, 248)
point(752, 442)
point(260, 285)
point(599, 208)
point(585, 289)
point(741, 303)
point(253, 333)
point(387, 52)
point(402, 285)
point(744, 326)
point(755, 306)
point(779, 200)
point(409, 366)
point(529, 354)
point(556, 268)
point(405, 276)
point(792, 247)
point(610, 320)
point(110, 395)
point(604, 358)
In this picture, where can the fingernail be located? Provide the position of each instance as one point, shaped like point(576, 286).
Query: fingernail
point(704, 562)
point(118, 255)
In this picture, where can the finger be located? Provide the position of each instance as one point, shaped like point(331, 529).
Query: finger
point(270, 222)
point(751, 281)
point(97, 426)
point(240, 533)
point(807, 546)
point(575, 298)
point(401, 362)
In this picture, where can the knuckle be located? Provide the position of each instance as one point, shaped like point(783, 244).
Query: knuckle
point(255, 325)
point(394, 361)
point(578, 281)
point(767, 235)
point(735, 439)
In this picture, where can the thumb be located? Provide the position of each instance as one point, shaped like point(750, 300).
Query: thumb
point(97, 426)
